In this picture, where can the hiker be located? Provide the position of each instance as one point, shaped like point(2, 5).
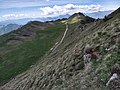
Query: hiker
point(115, 73)
point(88, 49)
point(90, 53)
point(113, 77)
point(87, 54)
point(96, 21)
point(87, 58)
point(82, 28)
point(115, 69)
point(82, 25)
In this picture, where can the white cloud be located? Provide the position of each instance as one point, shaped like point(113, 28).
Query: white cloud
point(69, 9)
point(54, 11)
point(13, 16)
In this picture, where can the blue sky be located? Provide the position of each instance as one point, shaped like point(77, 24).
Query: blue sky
point(29, 3)
point(19, 9)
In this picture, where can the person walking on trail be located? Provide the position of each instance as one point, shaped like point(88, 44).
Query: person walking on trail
point(82, 25)
point(113, 77)
point(87, 54)
point(115, 74)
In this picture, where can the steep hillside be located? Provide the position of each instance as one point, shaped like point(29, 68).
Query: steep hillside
point(63, 68)
point(22, 48)
point(114, 13)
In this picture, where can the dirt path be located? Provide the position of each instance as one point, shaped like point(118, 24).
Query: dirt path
point(58, 43)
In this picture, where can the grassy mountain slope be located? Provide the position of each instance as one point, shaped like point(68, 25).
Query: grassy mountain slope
point(64, 70)
point(78, 17)
point(24, 47)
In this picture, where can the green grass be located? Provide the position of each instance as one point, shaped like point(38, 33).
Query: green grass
point(3, 40)
point(104, 67)
point(23, 56)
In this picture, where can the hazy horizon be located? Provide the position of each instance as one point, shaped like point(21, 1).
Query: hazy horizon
point(15, 9)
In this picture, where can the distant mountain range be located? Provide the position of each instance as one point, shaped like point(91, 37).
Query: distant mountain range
point(100, 14)
point(8, 28)
point(26, 20)
point(23, 21)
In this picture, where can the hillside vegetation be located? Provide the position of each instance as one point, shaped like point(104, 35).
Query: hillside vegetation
point(63, 68)
point(22, 48)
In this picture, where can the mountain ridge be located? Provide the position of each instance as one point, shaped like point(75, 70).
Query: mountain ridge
point(64, 68)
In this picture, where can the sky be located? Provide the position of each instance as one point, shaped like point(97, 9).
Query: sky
point(20, 9)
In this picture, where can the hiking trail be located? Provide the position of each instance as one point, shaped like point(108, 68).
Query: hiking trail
point(58, 44)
